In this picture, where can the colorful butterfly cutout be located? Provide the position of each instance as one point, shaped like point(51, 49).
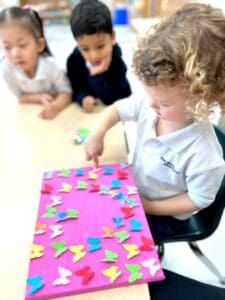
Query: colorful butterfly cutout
point(94, 188)
point(56, 200)
point(135, 225)
point(81, 185)
point(60, 248)
point(108, 170)
point(79, 172)
point(118, 221)
point(122, 174)
point(113, 273)
point(110, 256)
point(108, 232)
point(47, 189)
point(122, 235)
point(151, 265)
point(124, 165)
point(132, 190)
point(65, 187)
point(78, 251)
point(40, 228)
point(57, 230)
point(115, 184)
point(50, 212)
point(148, 244)
point(132, 250)
point(127, 211)
point(63, 279)
point(134, 272)
point(104, 190)
point(36, 251)
point(92, 175)
point(48, 175)
point(36, 283)
point(94, 244)
point(85, 273)
point(64, 173)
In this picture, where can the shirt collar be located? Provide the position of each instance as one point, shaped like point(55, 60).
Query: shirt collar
point(40, 72)
point(176, 140)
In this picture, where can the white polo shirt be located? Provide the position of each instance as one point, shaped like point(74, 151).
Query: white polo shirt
point(187, 160)
point(49, 78)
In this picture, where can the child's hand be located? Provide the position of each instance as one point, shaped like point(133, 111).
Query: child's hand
point(93, 147)
point(88, 104)
point(47, 99)
point(49, 112)
point(102, 67)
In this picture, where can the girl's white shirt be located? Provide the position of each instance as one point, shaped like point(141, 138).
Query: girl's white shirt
point(187, 160)
point(49, 78)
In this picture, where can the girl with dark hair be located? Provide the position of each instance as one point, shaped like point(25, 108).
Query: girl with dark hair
point(29, 70)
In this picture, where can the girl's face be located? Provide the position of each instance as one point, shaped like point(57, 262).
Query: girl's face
point(96, 47)
point(169, 102)
point(21, 48)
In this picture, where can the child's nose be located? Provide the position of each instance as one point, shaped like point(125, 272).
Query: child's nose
point(16, 52)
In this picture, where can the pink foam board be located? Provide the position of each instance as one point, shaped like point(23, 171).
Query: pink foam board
point(78, 209)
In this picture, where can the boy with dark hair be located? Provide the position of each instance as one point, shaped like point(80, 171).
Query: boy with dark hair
point(95, 67)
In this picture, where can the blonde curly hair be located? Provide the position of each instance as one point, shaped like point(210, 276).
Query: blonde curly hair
point(187, 49)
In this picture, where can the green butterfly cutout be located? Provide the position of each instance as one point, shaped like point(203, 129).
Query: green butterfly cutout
point(64, 173)
point(50, 212)
point(60, 248)
point(72, 213)
point(110, 256)
point(133, 269)
point(122, 235)
point(104, 189)
point(81, 185)
point(132, 202)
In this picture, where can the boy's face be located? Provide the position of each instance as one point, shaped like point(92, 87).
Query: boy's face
point(95, 48)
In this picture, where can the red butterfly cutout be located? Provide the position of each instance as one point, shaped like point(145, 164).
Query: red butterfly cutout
point(148, 244)
point(84, 272)
point(128, 212)
point(47, 189)
point(95, 188)
point(122, 174)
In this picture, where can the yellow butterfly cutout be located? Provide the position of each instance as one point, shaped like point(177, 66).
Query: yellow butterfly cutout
point(36, 251)
point(66, 187)
point(108, 232)
point(132, 250)
point(78, 252)
point(112, 273)
point(92, 175)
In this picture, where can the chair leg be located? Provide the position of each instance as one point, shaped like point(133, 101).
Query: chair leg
point(195, 248)
point(160, 251)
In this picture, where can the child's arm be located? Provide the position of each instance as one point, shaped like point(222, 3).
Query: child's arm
point(94, 144)
point(53, 108)
point(176, 205)
point(42, 98)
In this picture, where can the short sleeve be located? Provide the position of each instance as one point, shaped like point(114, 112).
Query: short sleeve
point(61, 81)
point(130, 108)
point(9, 78)
point(203, 187)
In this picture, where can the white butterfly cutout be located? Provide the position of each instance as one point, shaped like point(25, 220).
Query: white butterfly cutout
point(151, 264)
point(132, 190)
point(57, 230)
point(56, 200)
point(64, 273)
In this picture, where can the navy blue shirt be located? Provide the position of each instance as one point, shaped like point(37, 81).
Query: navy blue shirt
point(108, 86)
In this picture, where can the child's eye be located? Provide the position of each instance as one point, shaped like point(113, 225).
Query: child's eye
point(6, 48)
point(101, 46)
point(22, 46)
point(85, 49)
point(165, 105)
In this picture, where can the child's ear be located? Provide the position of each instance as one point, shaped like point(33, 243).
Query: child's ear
point(113, 37)
point(41, 44)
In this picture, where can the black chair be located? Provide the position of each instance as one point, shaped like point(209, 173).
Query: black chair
point(176, 287)
point(202, 224)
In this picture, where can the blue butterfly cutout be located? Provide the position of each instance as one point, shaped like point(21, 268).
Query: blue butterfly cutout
point(94, 244)
point(48, 175)
point(118, 221)
point(108, 170)
point(36, 283)
point(116, 184)
point(135, 225)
